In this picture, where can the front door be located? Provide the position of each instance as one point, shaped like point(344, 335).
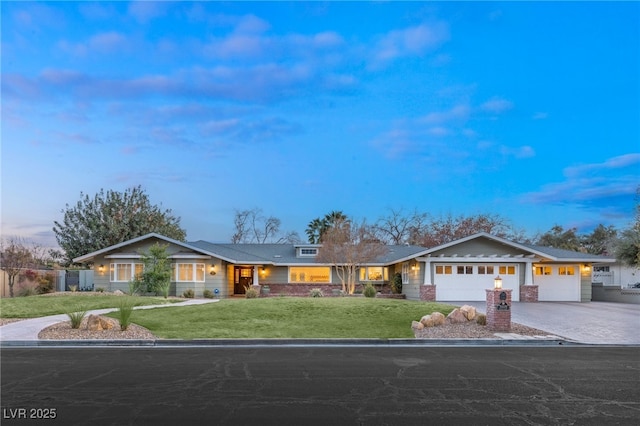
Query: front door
point(243, 279)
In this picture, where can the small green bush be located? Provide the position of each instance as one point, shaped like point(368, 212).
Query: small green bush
point(73, 288)
point(369, 290)
point(396, 283)
point(100, 289)
point(45, 283)
point(316, 292)
point(481, 319)
point(76, 317)
point(208, 294)
point(189, 294)
point(125, 308)
point(250, 292)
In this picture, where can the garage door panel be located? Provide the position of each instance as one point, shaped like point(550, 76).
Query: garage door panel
point(472, 287)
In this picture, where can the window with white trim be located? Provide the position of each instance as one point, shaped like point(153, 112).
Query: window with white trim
point(310, 274)
point(507, 270)
point(188, 272)
point(374, 273)
point(444, 269)
point(465, 269)
point(308, 251)
point(566, 270)
point(405, 273)
point(125, 272)
point(485, 269)
point(543, 270)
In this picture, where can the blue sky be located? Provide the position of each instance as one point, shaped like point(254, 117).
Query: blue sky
point(526, 110)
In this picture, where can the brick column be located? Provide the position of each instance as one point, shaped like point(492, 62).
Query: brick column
point(528, 293)
point(499, 309)
point(428, 293)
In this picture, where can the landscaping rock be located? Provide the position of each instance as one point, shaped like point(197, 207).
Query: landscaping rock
point(469, 312)
point(456, 317)
point(118, 293)
point(415, 325)
point(438, 318)
point(98, 323)
point(427, 321)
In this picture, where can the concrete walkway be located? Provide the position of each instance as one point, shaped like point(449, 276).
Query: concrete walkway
point(590, 322)
point(28, 329)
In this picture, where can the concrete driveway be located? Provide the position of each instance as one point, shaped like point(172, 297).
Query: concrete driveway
point(590, 322)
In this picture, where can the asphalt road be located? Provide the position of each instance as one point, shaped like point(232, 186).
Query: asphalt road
point(548, 385)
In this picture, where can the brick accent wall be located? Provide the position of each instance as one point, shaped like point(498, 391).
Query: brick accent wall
point(498, 319)
point(428, 293)
point(528, 293)
point(303, 289)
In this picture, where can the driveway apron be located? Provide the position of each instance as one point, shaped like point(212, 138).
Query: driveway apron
point(589, 322)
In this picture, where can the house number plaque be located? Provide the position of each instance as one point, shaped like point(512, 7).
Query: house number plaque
point(503, 306)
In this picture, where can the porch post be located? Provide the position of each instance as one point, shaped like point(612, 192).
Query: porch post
point(256, 276)
point(427, 273)
point(528, 274)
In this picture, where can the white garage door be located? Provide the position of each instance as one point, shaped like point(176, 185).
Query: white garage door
point(469, 282)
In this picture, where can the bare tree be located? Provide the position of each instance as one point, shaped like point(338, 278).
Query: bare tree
point(398, 228)
point(251, 226)
point(347, 247)
point(15, 255)
point(449, 228)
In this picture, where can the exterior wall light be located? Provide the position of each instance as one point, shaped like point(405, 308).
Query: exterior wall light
point(497, 282)
point(101, 268)
point(263, 270)
point(587, 267)
point(212, 270)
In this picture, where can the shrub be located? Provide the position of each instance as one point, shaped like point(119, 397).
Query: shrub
point(125, 308)
point(208, 294)
point(250, 292)
point(76, 317)
point(136, 286)
point(100, 289)
point(45, 284)
point(30, 275)
point(73, 288)
point(369, 290)
point(396, 283)
point(481, 319)
point(316, 292)
point(189, 294)
point(27, 291)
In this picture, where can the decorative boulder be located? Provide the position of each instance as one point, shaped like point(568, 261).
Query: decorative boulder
point(456, 317)
point(438, 318)
point(469, 312)
point(98, 323)
point(427, 321)
point(118, 293)
point(416, 325)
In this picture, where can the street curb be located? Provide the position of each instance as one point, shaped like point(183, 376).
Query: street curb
point(169, 343)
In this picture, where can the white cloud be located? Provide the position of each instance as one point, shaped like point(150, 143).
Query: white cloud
point(412, 41)
point(496, 105)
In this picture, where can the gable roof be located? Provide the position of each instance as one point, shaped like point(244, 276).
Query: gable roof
point(257, 254)
point(550, 253)
point(285, 254)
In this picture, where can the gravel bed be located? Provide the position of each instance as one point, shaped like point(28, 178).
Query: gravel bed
point(63, 331)
point(4, 321)
point(472, 330)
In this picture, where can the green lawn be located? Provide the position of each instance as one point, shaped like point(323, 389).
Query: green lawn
point(43, 305)
point(289, 317)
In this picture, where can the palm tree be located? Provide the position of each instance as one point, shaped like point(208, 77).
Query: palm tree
point(317, 227)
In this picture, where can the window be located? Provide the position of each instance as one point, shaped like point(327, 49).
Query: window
point(123, 271)
point(543, 270)
point(310, 274)
point(444, 269)
point(465, 269)
point(308, 251)
point(600, 269)
point(507, 270)
point(485, 270)
point(374, 273)
point(405, 273)
point(567, 270)
point(188, 272)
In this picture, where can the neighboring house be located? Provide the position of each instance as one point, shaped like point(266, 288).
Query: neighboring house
point(615, 274)
point(457, 271)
